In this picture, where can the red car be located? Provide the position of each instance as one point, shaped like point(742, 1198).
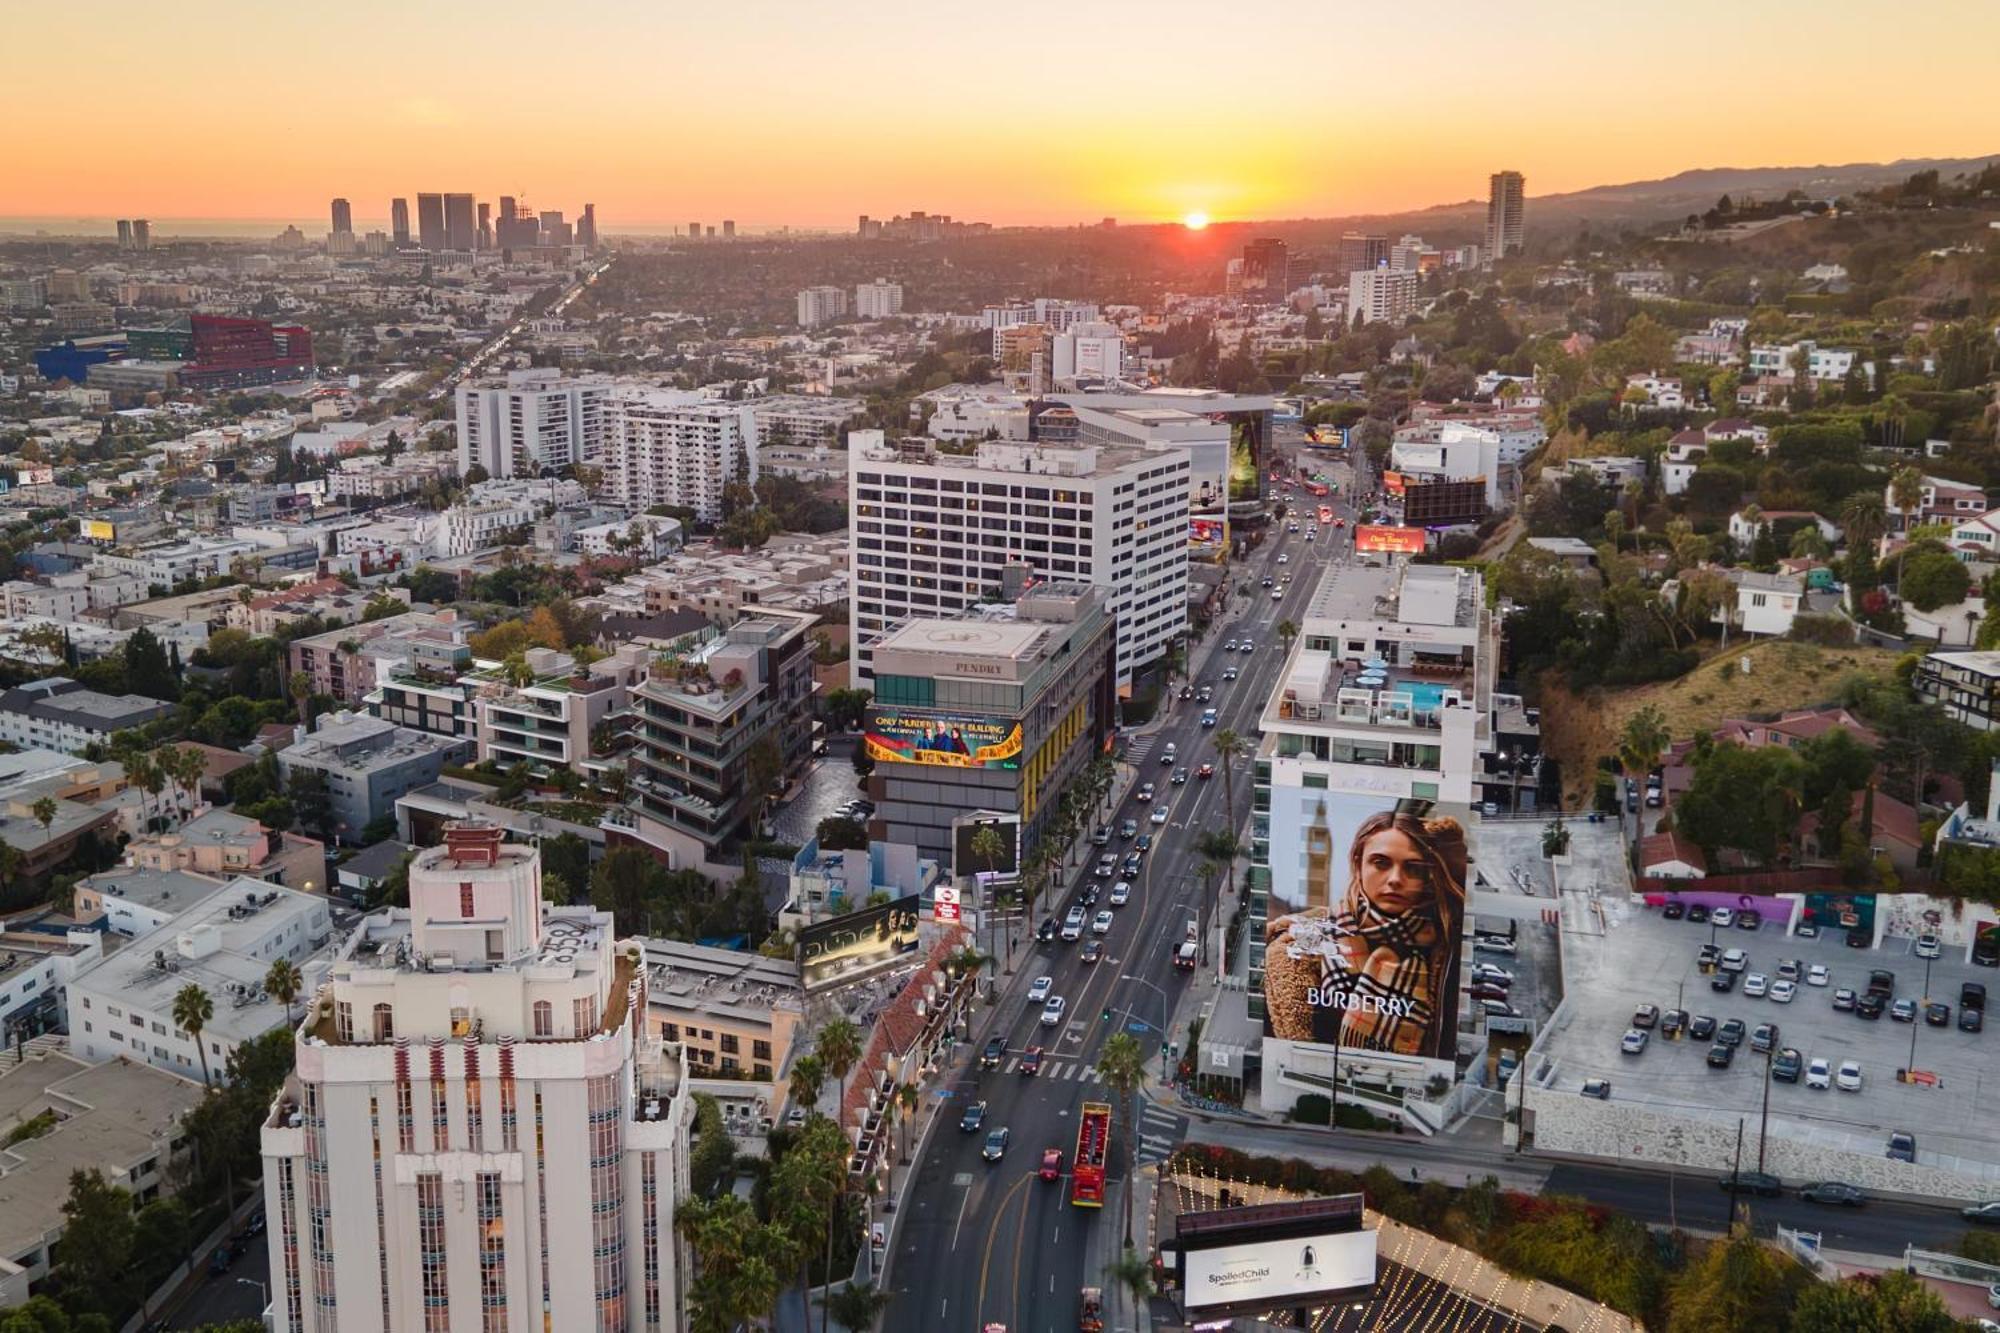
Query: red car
point(1052, 1164)
point(1031, 1060)
point(1205, 771)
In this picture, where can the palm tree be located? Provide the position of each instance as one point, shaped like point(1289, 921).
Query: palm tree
point(1287, 631)
point(1229, 747)
point(516, 671)
point(807, 1078)
point(192, 1010)
point(300, 686)
point(1122, 1066)
point(1644, 736)
point(1217, 849)
point(44, 810)
point(1906, 491)
point(988, 846)
point(838, 1046)
point(139, 767)
point(737, 1279)
point(1863, 519)
point(857, 1305)
point(283, 980)
point(189, 768)
point(908, 1096)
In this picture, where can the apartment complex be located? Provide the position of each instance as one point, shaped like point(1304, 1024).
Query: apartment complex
point(1506, 214)
point(58, 713)
point(1966, 685)
point(821, 305)
point(935, 533)
point(731, 703)
point(879, 299)
point(537, 422)
point(480, 1133)
point(996, 709)
point(667, 447)
point(1382, 295)
point(367, 764)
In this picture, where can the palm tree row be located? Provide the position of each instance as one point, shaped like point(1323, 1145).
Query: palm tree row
point(152, 771)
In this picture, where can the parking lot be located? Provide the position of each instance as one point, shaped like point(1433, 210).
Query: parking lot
point(1644, 958)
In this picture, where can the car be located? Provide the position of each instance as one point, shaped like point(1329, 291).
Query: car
point(1047, 930)
point(1040, 989)
point(1971, 1020)
point(1599, 1088)
point(1633, 1042)
point(1982, 1212)
point(1819, 1074)
point(1928, 946)
point(1655, 798)
point(1160, 815)
point(1697, 913)
point(1786, 1065)
point(974, 1117)
point(1101, 925)
point(1673, 1021)
point(1208, 718)
point(1145, 793)
point(1186, 954)
point(1722, 916)
point(1752, 1182)
point(1031, 1060)
point(1268, 582)
point(1142, 846)
point(1498, 1009)
point(1093, 950)
point(1229, 647)
point(1283, 558)
point(1101, 838)
point(1229, 673)
point(1837, 1192)
point(1246, 647)
point(996, 1145)
point(1722, 981)
point(1807, 931)
point(1492, 973)
point(1169, 755)
point(1291, 527)
point(1674, 911)
point(1788, 969)
point(1756, 985)
point(1053, 1011)
point(1749, 919)
point(1731, 1032)
point(1121, 893)
point(1494, 944)
point(1734, 960)
point(1483, 992)
point(1903, 1010)
point(1764, 1036)
point(1882, 982)
point(1187, 692)
point(1782, 992)
point(1129, 829)
point(1707, 957)
point(1132, 864)
point(1051, 1164)
point(1870, 1006)
point(1903, 1148)
point(1507, 1066)
point(1277, 594)
point(1701, 1027)
point(1106, 865)
point(1843, 1000)
point(1937, 1014)
point(1720, 1055)
point(1206, 771)
point(1859, 938)
point(1646, 1016)
point(1972, 995)
point(1817, 975)
point(993, 1053)
point(1088, 897)
point(1207, 693)
point(1848, 1077)
point(1072, 926)
point(1180, 777)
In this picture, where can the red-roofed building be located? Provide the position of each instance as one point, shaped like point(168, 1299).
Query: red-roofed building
point(1795, 728)
point(1670, 856)
point(1897, 832)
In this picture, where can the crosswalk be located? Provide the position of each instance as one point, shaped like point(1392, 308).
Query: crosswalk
point(1078, 1071)
point(1140, 748)
point(1160, 1132)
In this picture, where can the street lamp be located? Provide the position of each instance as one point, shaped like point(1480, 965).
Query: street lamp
point(1918, 1020)
point(263, 1292)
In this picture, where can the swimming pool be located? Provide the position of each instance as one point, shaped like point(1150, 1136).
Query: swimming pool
point(1426, 696)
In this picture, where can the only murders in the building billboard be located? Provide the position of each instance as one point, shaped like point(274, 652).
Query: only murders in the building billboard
point(1366, 916)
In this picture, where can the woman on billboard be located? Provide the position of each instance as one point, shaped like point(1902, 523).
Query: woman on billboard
point(1374, 970)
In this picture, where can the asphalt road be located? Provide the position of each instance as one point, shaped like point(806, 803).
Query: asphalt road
point(241, 1293)
point(992, 1242)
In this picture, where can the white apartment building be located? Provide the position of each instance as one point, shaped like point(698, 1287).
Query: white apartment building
point(65, 597)
point(57, 713)
point(669, 447)
point(169, 563)
point(1822, 363)
point(479, 1133)
point(933, 533)
point(821, 305)
point(803, 420)
point(1382, 294)
point(1057, 316)
point(879, 299)
point(536, 422)
point(1087, 352)
point(225, 943)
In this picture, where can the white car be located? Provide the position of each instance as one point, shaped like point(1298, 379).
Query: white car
point(1734, 960)
point(1816, 975)
point(1229, 646)
point(1819, 1074)
point(1159, 814)
point(1101, 925)
point(1072, 927)
point(1849, 1078)
point(1722, 916)
point(1040, 988)
point(1633, 1042)
point(1248, 647)
point(1285, 559)
point(1928, 946)
point(1783, 991)
point(1487, 972)
point(1052, 1012)
point(1121, 893)
point(1756, 985)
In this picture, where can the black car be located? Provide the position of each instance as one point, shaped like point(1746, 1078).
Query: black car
point(1702, 1027)
point(1870, 1006)
point(1046, 932)
point(1982, 1212)
point(1697, 913)
point(1093, 950)
point(1859, 938)
point(1902, 1147)
point(1834, 1192)
point(1674, 911)
point(1752, 1182)
point(1720, 1054)
point(1972, 995)
point(1672, 1022)
point(1786, 1064)
point(1730, 1033)
point(1938, 1014)
point(974, 1117)
point(1723, 981)
point(1971, 1020)
point(994, 1053)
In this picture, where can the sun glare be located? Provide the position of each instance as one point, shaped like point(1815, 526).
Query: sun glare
point(1195, 221)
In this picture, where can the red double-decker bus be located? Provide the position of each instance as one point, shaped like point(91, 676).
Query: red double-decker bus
point(1325, 514)
point(1093, 1142)
point(1317, 488)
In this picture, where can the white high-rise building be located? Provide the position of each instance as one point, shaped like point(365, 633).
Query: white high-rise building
point(1506, 214)
point(537, 422)
point(1087, 352)
point(933, 534)
point(879, 299)
point(479, 1134)
point(1057, 316)
point(818, 305)
point(1382, 294)
point(672, 447)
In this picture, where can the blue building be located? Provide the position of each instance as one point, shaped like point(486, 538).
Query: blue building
point(72, 359)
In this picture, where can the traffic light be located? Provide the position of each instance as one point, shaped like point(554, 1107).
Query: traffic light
point(1107, 1013)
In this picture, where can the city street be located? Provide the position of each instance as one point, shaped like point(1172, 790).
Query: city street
point(991, 1242)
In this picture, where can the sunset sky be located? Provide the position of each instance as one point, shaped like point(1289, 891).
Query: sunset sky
point(779, 112)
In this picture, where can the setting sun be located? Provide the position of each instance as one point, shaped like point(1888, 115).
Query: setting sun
point(1195, 221)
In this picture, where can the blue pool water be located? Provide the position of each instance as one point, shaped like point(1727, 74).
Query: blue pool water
point(1427, 696)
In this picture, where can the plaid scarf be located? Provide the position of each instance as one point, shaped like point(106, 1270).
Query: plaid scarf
point(1410, 937)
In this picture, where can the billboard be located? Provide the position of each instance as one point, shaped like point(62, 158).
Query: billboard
point(966, 861)
point(35, 476)
point(1367, 910)
point(96, 529)
point(1247, 431)
point(1403, 541)
point(846, 947)
point(1393, 483)
point(1264, 1258)
point(945, 739)
point(1444, 504)
point(945, 903)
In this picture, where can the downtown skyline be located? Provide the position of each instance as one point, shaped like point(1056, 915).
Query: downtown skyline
point(794, 117)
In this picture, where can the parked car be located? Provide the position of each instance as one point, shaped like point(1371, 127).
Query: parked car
point(1599, 1088)
point(1734, 960)
point(1786, 1065)
point(1971, 1020)
point(1903, 1148)
point(1722, 916)
point(1783, 991)
point(1719, 1056)
point(1843, 999)
point(1928, 946)
point(1788, 969)
point(1755, 985)
point(1972, 995)
point(1697, 914)
point(1722, 981)
point(1819, 1074)
point(1634, 1042)
point(1837, 1192)
point(1817, 975)
point(1731, 1032)
point(1904, 1010)
point(1480, 991)
point(1674, 911)
point(1848, 1079)
point(1707, 957)
point(1672, 1022)
point(1870, 1006)
point(1701, 1028)
point(1752, 1182)
point(1859, 938)
point(1494, 944)
point(1646, 1016)
point(1749, 919)
point(1764, 1036)
point(1492, 974)
point(1938, 1014)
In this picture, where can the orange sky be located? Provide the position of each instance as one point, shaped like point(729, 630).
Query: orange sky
point(785, 112)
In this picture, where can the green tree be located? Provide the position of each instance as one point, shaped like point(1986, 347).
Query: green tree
point(624, 883)
point(735, 1282)
point(1218, 849)
point(1642, 740)
point(857, 1305)
point(312, 802)
point(807, 1079)
point(283, 979)
point(94, 1256)
point(1743, 799)
point(844, 708)
point(1738, 1283)
point(1932, 578)
point(1229, 747)
point(44, 809)
point(148, 670)
point(1891, 1302)
point(1287, 631)
point(1122, 1066)
point(192, 1010)
point(299, 686)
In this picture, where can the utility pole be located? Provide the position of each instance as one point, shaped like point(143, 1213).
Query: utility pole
point(1764, 1118)
point(1736, 1173)
point(1918, 1021)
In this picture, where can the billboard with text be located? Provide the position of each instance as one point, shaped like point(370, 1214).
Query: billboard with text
point(1265, 1258)
point(944, 739)
point(850, 946)
point(1401, 541)
point(1367, 911)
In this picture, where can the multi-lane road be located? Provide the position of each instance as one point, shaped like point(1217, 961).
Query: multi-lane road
point(991, 1242)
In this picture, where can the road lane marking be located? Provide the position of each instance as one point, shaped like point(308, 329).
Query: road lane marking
point(992, 1231)
point(963, 1199)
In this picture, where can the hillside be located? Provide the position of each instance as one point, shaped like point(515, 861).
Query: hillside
point(1783, 674)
